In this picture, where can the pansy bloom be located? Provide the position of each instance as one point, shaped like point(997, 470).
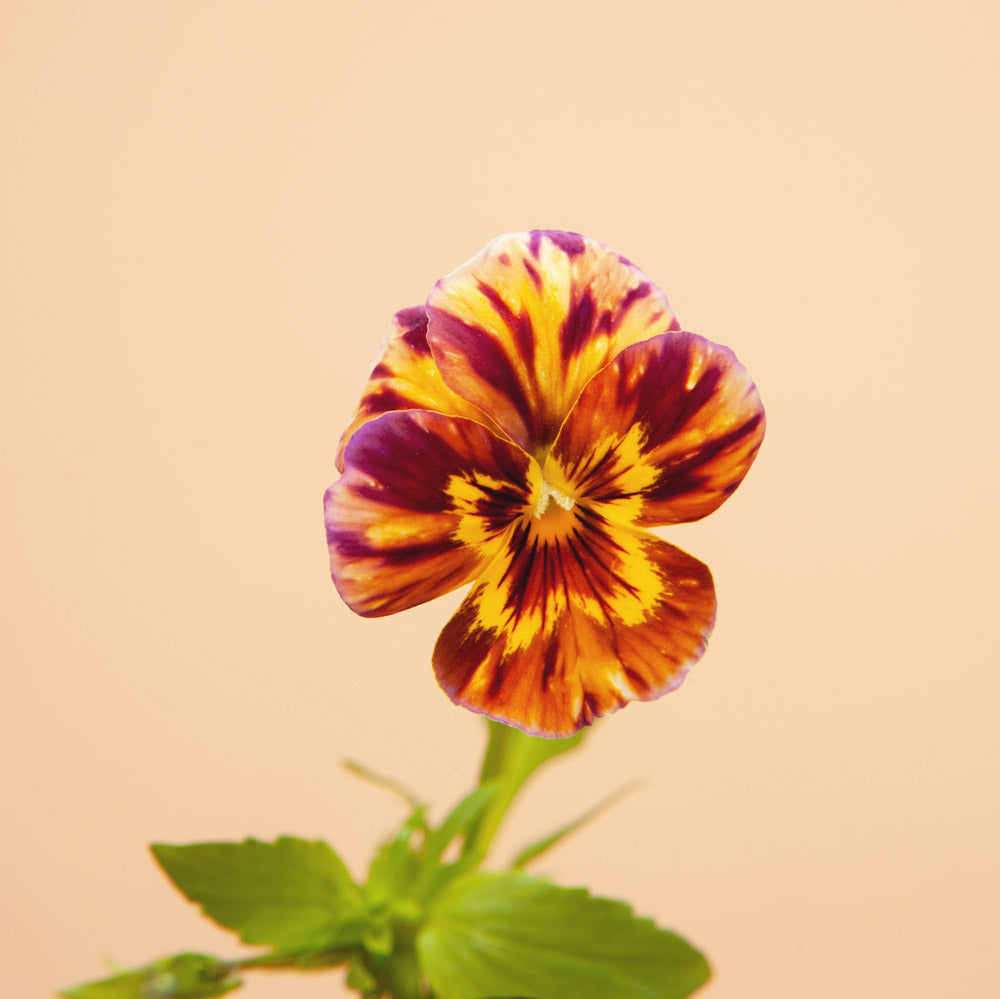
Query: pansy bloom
point(520, 432)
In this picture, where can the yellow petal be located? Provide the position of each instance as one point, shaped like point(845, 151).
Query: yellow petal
point(520, 330)
point(406, 377)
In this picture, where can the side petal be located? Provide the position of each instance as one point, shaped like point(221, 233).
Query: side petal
point(560, 630)
point(662, 435)
point(406, 376)
point(424, 504)
point(520, 329)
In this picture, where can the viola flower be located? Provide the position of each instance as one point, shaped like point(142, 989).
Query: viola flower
point(521, 432)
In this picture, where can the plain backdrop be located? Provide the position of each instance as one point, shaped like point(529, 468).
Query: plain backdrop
point(209, 212)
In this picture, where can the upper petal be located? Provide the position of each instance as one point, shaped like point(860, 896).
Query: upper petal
point(406, 376)
point(520, 329)
point(663, 434)
point(422, 507)
point(564, 627)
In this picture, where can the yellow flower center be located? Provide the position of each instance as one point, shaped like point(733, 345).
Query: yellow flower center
point(547, 494)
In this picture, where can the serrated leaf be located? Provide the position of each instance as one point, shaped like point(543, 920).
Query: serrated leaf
point(507, 933)
point(292, 894)
point(186, 976)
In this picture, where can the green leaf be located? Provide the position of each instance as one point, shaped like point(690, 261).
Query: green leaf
point(186, 976)
point(432, 874)
point(507, 933)
point(461, 817)
point(380, 780)
point(395, 864)
point(292, 894)
point(360, 978)
point(534, 850)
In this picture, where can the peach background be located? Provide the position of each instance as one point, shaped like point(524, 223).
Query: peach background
point(211, 209)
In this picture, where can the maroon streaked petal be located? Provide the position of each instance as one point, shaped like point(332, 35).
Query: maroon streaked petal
point(571, 621)
point(663, 435)
point(406, 376)
point(520, 330)
point(424, 504)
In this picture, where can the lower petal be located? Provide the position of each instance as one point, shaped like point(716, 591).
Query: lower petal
point(563, 629)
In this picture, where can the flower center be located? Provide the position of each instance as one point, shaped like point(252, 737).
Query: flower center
point(547, 494)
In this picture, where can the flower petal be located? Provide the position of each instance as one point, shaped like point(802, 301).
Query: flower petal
point(522, 328)
point(571, 623)
point(662, 435)
point(405, 376)
point(424, 504)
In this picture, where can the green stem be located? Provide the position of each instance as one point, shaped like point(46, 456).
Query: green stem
point(500, 747)
point(501, 738)
point(510, 758)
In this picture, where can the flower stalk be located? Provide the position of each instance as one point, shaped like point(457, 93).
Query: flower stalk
point(510, 758)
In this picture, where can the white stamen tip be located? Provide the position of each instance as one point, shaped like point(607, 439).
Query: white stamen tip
point(547, 493)
point(566, 502)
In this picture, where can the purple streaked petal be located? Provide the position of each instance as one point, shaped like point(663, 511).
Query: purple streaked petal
point(422, 507)
point(406, 377)
point(520, 330)
point(663, 435)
